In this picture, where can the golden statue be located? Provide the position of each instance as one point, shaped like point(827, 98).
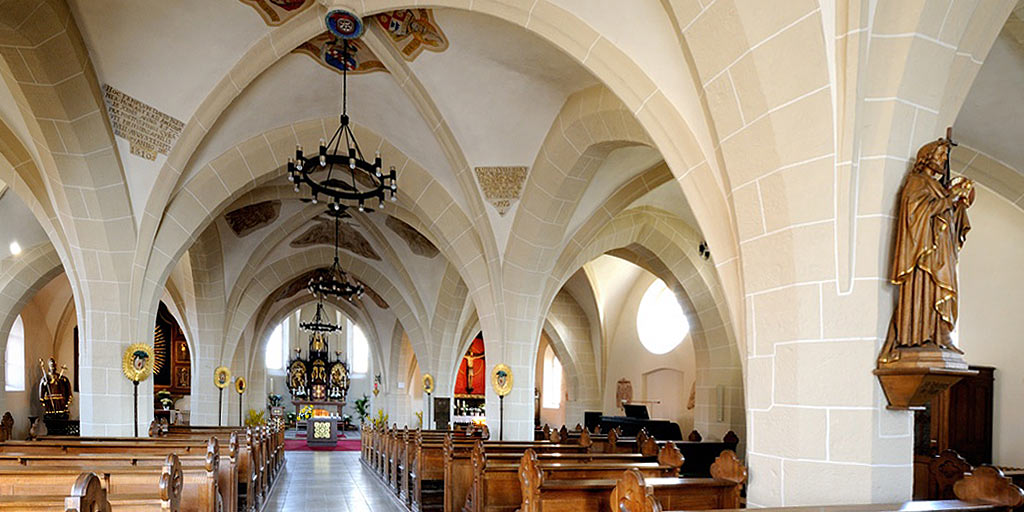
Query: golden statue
point(931, 226)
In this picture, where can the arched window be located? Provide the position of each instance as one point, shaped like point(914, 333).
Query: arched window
point(552, 396)
point(14, 357)
point(360, 351)
point(660, 322)
point(277, 348)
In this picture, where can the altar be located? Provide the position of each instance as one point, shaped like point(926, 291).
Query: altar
point(322, 432)
point(338, 405)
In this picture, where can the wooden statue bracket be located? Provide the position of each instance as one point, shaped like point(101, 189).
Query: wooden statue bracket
point(920, 374)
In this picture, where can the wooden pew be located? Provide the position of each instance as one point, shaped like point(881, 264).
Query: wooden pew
point(260, 458)
point(251, 481)
point(719, 492)
point(108, 452)
point(133, 489)
point(495, 486)
point(984, 489)
point(399, 456)
point(458, 463)
point(86, 495)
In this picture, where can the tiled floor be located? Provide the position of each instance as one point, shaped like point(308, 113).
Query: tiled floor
point(329, 481)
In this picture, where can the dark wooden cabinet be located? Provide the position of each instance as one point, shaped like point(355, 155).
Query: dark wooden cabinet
point(959, 419)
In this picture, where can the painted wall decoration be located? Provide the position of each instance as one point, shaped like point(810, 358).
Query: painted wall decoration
point(322, 233)
point(418, 244)
point(623, 392)
point(471, 380)
point(326, 49)
point(148, 130)
point(276, 12)
point(412, 31)
point(501, 185)
point(251, 217)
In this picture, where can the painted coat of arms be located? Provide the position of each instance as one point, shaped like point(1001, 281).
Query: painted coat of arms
point(412, 31)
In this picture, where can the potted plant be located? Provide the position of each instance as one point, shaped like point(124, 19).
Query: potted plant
point(274, 400)
point(363, 408)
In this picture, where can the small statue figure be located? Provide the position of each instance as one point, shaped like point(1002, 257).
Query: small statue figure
point(931, 227)
point(54, 391)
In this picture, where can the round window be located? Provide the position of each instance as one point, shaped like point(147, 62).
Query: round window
point(660, 322)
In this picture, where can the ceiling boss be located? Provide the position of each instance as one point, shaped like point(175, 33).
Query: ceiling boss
point(343, 176)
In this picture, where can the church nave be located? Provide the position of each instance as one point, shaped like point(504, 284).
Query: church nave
point(769, 251)
point(329, 481)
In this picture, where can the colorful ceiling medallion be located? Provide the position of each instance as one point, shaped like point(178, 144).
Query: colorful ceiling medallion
point(327, 50)
point(344, 24)
point(410, 31)
point(276, 12)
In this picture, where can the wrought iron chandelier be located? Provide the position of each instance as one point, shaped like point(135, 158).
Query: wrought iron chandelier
point(334, 281)
point(319, 323)
point(350, 177)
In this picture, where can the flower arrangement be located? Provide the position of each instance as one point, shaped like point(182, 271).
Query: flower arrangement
point(256, 418)
point(419, 419)
point(381, 420)
point(306, 412)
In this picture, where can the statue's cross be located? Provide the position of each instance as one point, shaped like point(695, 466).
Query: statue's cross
point(947, 179)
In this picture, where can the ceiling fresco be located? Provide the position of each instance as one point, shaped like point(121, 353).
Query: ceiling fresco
point(412, 31)
point(322, 233)
point(247, 219)
point(374, 296)
point(276, 12)
point(300, 283)
point(418, 244)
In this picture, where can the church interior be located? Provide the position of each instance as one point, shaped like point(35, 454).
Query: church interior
point(511, 255)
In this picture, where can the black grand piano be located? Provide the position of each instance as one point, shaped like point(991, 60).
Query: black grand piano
point(698, 455)
point(636, 418)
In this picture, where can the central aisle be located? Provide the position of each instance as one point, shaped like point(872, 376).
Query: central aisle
point(329, 481)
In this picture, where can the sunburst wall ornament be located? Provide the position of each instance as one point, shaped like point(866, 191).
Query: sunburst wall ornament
point(428, 383)
point(137, 363)
point(221, 377)
point(501, 378)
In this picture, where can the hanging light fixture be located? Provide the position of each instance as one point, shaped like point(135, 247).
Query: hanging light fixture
point(320, 322)
point(350, 177)
point(334, 281)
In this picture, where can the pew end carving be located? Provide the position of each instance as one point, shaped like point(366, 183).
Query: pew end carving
point(946, 469)
point(6, 427)
point(669, 455)
point(88, 495)
point(728, 467)
point(632, 494)
point(986, 484)
point(530, 479)
point(585, 440)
